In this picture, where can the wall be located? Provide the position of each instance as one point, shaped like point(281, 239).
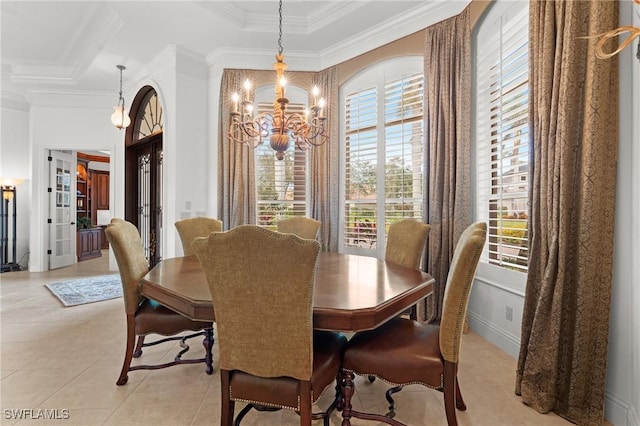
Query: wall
point(194, 151)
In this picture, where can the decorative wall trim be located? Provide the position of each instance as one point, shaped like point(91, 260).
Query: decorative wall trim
point(499, 337)
point(14, 102)
point(632, 418)
point(502, 287)
point(262, 59)
point(416, 19)
point(618, 412)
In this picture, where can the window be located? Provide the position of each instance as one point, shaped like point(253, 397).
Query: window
point(382, 110)
point(281, 185)
point(502, 138)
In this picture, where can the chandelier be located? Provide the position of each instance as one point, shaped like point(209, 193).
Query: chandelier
point(306, 130)
point(120, 118)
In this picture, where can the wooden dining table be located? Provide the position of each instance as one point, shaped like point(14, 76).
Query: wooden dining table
point(351, 292)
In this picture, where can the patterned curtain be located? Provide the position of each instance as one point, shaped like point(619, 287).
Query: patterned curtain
point(236, 163)
point(573, 110)
point(324, 164)
point(447, 70)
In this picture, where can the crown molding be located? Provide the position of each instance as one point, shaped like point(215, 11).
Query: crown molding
point(230, 11)
point(415, 19)
point(262, 59)
point(14, 102)
point(33, 75)
point(71, 99)
point(331, 11)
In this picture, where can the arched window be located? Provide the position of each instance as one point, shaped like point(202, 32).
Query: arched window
point(381, 125)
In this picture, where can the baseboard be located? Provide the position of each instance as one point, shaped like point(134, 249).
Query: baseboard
point(618, 412)
point(633, 418)
point(499, 337)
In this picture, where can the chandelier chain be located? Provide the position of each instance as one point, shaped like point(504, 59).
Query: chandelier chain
point(280, 127)
point(280, 49)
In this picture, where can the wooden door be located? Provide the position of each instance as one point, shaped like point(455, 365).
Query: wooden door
point(101, 190)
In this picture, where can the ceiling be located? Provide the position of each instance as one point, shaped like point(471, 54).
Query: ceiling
point(70, 46)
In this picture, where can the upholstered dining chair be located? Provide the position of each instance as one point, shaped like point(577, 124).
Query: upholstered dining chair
point(145, 316)
point(192, 228)
point(406, 243)
point(303, 227)
point(270, 356)
point(405, 351)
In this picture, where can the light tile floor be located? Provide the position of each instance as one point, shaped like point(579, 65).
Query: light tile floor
point(59, 358)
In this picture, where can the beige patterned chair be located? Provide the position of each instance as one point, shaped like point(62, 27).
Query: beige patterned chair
point(270, 355)
point(303, 227)
point(145, 316)
point(190, 229)
point(405, 351)
point(406, 242)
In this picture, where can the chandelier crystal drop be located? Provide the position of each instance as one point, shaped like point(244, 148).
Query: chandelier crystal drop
point(282, 127)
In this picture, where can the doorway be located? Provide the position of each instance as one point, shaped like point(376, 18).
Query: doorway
point(143, 172)
point(78, 189)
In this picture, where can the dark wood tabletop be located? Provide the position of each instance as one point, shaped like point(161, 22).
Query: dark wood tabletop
point(351, 293)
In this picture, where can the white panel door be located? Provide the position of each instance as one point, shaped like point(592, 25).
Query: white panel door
point(62, 209)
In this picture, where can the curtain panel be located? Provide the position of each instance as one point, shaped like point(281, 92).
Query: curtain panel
point(236, 163)
point(573, 109)
point(447, 70)
point(324, 198)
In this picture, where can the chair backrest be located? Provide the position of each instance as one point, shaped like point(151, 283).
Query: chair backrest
point(133, 265)
point(261, 285)
point(458, 287)
point(303, 227)
point(406, 242)
point(190, 229)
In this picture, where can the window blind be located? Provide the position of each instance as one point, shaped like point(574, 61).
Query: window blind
point(361, 161)
point(383, 125)
point(503, 143)
point(404, 146)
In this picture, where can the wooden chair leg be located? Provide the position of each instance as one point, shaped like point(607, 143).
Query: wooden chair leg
point(392, 404)
point(128, 354)
point(449, 391)
point(138, 351)
point(460, 405)
point(305, 403)
point(228, 406)
point(208, 347)
point(347, 393)
point(335, 405)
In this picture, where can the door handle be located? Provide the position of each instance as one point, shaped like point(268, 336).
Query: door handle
point(73, 223)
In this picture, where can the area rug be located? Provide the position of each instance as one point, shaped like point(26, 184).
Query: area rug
point(87, 290)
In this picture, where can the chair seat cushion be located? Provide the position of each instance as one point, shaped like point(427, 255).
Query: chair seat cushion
point(401, 351)
point(155, 318)
point(283, 391)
